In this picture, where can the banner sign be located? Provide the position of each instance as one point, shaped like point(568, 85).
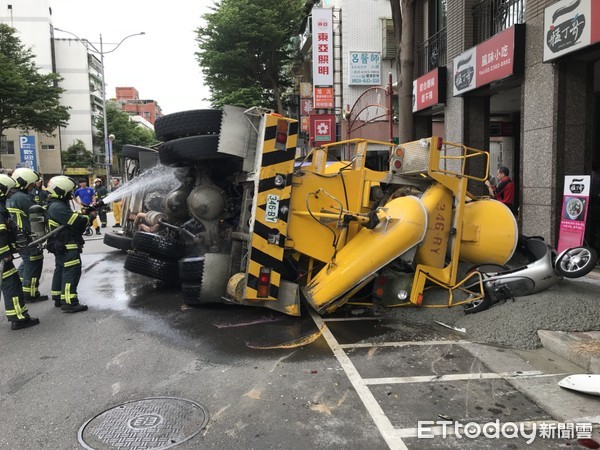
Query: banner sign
point(364, 68)
point(306, 90)
point(576, 196)
point(323, 97)
point(570, 25)
point(322, 26)
point(322, 129)
point(28, 153)
point(306, 106)
point(429, 89)
point(499, 57)
point(304, 124)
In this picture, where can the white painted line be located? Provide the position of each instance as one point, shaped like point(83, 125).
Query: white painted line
point(374, 409)
point(350, 319)
point(452, 377)
point(439, 430)
point(400, 344)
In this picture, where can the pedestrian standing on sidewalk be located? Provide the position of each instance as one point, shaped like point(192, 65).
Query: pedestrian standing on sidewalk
point(101, 193)
point(66, 244)
point(116, 205)
point(30, 270)
point(86, 196)
point(504, 191)
point(12, 290)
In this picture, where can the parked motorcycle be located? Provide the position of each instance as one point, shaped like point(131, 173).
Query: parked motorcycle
point(545, 269)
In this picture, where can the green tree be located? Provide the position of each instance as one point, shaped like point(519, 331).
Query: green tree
point(28, 100)
point(246, 51)
point(403, 16)
point(124, 130)
point(77, 156)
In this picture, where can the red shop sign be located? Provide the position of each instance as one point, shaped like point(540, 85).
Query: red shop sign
point(323, 97)
point(429, 89)
point(322, 129)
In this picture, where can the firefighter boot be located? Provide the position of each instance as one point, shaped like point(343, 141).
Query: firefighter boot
point(39, 297)
point(57, 303)
point(73, 308)
point(26, 323)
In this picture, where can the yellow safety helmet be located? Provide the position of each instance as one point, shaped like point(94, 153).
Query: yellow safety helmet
point(6, 184)
point(61, 186)
point(24, 176)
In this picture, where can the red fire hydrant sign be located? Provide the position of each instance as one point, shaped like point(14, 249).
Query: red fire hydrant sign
point(576, 196)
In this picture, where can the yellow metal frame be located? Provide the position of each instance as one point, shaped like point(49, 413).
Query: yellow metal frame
point(456, 182)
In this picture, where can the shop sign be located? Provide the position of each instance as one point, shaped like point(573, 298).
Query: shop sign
point(322, 25)
point(28, 152)
point(322, 129)
point(76, 171)
point(576, 196)
point(306, 106)
point(304, 124)
point(498, 57)
point(306, 90)
point(323, 97)
point(364, 68)
point(570, 25)
point(429, 89)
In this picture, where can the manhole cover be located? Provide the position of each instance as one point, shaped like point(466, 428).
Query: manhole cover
point(149, 423)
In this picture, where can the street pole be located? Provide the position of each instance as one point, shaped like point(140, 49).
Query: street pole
point(90, 47)
point(107, 155)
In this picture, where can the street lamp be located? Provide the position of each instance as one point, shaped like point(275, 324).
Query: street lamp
point(91, 47)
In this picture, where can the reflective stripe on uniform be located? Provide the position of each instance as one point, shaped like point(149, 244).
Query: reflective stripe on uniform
point(18, 311)
point(71, 263)
point(8, 273)
point(53, 223)
point(3, 226)
point(67, 296)
point(54, 293)
point(33, 285)
point(36, 257)
point(4, 249)
point(27, 289)
point(18, 213)
point(72, 218)
point(72, 246)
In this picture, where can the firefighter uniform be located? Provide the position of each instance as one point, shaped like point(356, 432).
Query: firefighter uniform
point(30, 268)
point(16, 310)
point(66, 245)
point(101, 193)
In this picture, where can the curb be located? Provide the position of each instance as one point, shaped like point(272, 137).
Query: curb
point(581, 348)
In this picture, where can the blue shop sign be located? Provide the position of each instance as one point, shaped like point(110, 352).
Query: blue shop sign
point(28, 153)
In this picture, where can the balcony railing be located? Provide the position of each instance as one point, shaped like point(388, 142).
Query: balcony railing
point(492, 16)
point(432, 53)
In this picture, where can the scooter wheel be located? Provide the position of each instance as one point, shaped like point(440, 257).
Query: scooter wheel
point(576, 262)
point(478, 305)
point(88, 232)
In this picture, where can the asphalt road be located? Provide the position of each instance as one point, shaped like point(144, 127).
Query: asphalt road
point(358, 380)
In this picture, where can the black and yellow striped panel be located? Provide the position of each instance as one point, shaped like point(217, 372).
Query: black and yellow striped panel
point(268, 237)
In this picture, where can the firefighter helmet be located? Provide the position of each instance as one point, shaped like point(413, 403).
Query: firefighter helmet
point(6, 184)
point(97, 180)
point(24, 176)
point(61, 186)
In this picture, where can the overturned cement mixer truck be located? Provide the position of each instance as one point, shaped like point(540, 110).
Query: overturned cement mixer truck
point(251, 222)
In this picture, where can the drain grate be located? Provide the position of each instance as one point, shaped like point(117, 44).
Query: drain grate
point(150, 423)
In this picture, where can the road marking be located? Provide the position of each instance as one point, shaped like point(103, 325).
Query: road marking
point(384, 425)
point(350, 319)
point(400, 344)
point(452, 377)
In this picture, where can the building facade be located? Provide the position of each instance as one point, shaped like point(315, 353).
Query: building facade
point(129, 100)
point(485, 76)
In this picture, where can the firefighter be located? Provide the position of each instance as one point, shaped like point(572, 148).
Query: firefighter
point(116, 205)
point(67, 243)
point(39, 194)
point(12, 291)
point(101, 193)
point(18, 205)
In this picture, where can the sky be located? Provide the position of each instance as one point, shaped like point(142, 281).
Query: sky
point(161, 64)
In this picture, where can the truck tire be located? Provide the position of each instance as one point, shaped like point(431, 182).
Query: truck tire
point(188, 123)
point(191, 269)
point(159, 246)
point(190, 150)
point(133, 151)
point(117, 241)
point(191, 294)
point(148, 266)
